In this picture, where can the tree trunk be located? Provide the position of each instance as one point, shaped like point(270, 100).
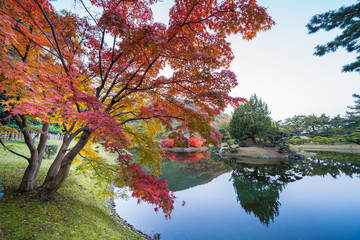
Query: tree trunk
point(40, 151)
point(54, 168)
point(252, 137)
point(59, 170)
point(52, 184)
point(28, 181)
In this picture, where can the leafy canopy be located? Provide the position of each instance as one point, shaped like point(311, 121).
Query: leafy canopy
point(99, 77)
point(251, 120)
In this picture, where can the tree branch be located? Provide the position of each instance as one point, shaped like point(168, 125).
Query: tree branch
point(18, 154)
point(115, 79)
point(99, 89)
point(87, 10)
point(33, 41)
point(61, 57)
point(147, 118)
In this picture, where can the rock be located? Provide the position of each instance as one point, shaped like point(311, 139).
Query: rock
point(178, 149)
point(187, 149)
point(295, 156)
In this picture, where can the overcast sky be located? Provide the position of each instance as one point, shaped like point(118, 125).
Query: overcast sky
point(279, 65)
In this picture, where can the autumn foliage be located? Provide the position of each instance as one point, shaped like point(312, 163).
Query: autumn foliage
point(150, 189)
point(179, 139)
point(193, 141)
point(99, 76)
point(166, 142)
point(184, 157)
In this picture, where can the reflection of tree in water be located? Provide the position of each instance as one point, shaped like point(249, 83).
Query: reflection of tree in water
point(332, 163)
point(258, 187)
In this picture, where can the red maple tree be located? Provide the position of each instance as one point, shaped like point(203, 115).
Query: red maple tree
point(100, 76)
point(195, 141)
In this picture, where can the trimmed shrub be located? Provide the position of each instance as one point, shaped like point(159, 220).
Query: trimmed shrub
point(51, 150)
point(269, 145)
point(230, 148)
point(283, 148)
point(242, 144)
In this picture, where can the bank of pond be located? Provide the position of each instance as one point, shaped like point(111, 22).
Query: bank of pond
point(250, 198)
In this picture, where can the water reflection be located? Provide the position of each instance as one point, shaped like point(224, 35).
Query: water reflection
point(258, 187)
point(331, 163)
point(186, 170)
point(313, 199)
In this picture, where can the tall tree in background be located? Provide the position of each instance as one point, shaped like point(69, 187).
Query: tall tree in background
point(250, 120)
point(293, 126)
point(316, 125)
point(96, 76)
point(347, 19)
point(337, 126)
point(353, 116)
point(313, 125)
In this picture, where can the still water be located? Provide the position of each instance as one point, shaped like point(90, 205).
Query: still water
point(318, 198)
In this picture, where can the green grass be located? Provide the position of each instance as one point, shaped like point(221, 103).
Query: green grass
point(74, 213)
point(342, 148)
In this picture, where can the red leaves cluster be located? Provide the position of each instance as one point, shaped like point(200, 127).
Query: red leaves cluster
point(167, 142)
point(159, 111)
point(195, 141)
point(147, 188)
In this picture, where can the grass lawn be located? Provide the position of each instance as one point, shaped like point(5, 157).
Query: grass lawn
point(343, 148)
point(75, 213)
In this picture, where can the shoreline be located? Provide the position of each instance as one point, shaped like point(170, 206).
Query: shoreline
point(112, 210)
point(185, 150)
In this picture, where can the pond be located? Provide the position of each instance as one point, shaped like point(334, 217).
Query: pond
point(317, 198)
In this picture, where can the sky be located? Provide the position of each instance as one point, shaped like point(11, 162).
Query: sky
point(279, 65)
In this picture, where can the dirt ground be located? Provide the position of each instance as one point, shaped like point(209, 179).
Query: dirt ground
point(257, 152)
